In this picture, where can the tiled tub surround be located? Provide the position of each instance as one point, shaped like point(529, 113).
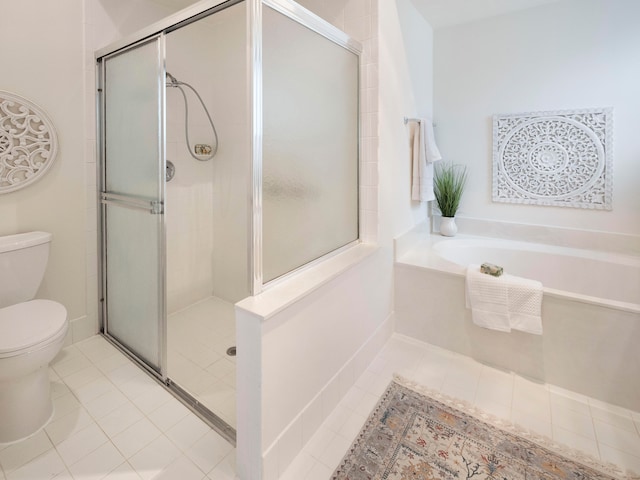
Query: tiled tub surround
point(588, 344)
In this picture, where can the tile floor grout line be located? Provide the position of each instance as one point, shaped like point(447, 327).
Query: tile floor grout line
point(313, 462)
point(547, 410)
point(108, 436)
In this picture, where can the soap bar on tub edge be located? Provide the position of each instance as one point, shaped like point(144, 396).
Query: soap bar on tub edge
point(491, 269)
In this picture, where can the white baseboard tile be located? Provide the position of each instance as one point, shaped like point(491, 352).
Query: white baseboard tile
point(82, 328)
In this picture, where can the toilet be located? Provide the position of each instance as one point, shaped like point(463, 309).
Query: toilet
point(32, 333)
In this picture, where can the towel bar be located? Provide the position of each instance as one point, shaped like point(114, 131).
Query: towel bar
point(407, 120)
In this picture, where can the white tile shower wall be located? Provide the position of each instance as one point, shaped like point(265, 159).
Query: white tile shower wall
point(231, 166)
point(189, 239)
point(189, 195)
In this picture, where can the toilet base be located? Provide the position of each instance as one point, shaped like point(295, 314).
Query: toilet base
point(25, 405)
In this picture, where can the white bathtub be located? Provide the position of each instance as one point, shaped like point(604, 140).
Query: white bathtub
point(597, 277)
point(591, 312)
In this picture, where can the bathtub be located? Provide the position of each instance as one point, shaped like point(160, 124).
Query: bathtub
point(590, 311)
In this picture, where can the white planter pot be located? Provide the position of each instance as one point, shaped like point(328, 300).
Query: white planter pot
point(448, 226)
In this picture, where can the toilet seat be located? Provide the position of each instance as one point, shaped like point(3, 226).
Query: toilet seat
point(28, 325)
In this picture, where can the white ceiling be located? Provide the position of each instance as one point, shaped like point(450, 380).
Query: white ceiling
point(444, 13)
point(439, 13)
point(176, 4)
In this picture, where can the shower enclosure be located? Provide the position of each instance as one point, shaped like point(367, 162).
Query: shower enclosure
point(262, 146)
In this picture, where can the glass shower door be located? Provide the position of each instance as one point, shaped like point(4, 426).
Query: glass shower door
point(310, 145)
point(132, 197)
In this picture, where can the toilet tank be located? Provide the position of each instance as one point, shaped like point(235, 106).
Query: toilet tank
point(23, 260)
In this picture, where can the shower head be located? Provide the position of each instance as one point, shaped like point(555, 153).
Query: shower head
point(173, 82)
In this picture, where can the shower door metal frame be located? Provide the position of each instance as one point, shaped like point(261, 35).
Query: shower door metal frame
point(255, 107)
point(154, 207)
point(298, 14)
point(313, 22)
point(173, 22)
point(158, 30)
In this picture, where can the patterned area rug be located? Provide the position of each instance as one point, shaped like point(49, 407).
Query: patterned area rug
point(412, 436)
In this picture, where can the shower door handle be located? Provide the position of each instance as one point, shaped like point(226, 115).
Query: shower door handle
point(155, 207)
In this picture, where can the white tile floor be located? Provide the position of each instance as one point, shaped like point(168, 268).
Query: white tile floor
point(113, 421)
point(607, 432)
point(197, 341)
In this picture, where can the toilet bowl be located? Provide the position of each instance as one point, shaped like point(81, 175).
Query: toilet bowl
point(32, 333)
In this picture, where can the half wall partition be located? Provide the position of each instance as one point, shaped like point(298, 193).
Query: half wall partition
point(280, 192)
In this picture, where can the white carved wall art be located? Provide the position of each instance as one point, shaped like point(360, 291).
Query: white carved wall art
point(560, 158)
point(28, 142)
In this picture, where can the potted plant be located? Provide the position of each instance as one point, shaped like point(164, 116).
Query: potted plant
point(448, 184)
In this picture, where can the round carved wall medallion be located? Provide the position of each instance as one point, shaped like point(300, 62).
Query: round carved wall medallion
point(28, 142)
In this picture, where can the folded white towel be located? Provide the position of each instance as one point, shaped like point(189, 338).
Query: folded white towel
point(525, 304)
point(488, 300)
point(504, 303)
point(424, 152)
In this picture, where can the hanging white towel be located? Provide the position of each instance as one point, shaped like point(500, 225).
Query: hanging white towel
point(424, 152)
point(504, 303)
point(525, 305)
point(488, 299)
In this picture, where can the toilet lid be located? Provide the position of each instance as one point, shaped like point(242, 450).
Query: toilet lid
point(26, 324)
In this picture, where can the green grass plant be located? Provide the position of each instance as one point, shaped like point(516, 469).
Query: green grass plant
point(448, 185)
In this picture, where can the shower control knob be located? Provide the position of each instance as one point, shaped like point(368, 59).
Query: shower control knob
point(171, 170)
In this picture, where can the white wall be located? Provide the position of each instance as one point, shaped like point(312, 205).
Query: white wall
point(232, 165)
point(109, 20)
point(406, 90)
point(43, 63)
point(58, 74)
point(566, 55)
